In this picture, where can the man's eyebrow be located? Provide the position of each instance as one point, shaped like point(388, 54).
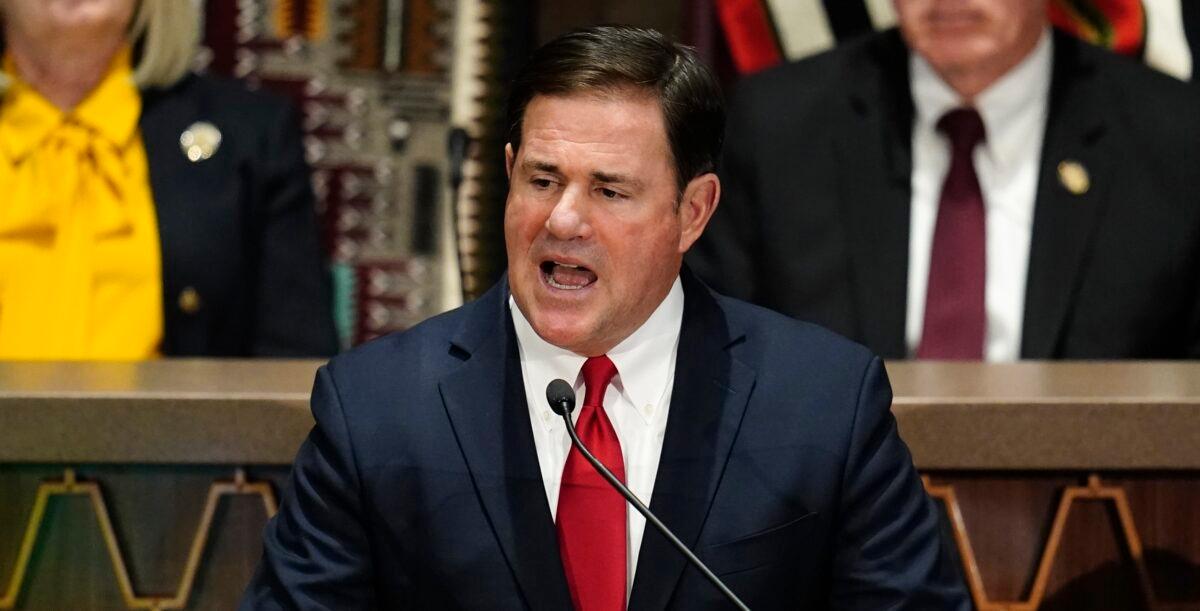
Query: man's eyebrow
point(533, 165)
point(616, 179)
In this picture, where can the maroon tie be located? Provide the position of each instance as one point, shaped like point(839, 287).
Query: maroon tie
point(591, 515)
point(955, 316)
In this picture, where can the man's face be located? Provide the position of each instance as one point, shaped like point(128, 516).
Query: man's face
point(971, 35)
point(595, 238)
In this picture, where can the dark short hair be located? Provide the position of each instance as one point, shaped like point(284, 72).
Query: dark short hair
point(609, 58)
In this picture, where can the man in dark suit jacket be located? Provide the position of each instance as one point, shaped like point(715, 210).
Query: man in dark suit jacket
point(819, 173)
point(429, 480)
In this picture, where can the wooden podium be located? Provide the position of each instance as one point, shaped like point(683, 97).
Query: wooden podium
point(1065, 485)
point(146, 485)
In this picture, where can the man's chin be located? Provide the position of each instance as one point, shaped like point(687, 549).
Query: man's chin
point(957, 53)
point(564, 336)
point(567, 331)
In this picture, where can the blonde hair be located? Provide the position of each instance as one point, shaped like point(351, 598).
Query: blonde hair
point(164, 35)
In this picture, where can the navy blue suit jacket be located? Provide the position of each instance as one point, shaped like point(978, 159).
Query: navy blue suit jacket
point(419, 486)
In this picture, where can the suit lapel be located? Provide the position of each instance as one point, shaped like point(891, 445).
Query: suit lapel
point(1064, 222)
point(183, 193)
point(874, 164)
point(707, 402)
point(485, 401)
point(166, 114)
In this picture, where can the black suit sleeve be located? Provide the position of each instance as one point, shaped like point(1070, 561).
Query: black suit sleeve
point(726, 256)
point(890, 552)
point(316, 552)
point(293, 314)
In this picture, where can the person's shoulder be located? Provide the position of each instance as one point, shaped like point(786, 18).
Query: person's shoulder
point(807, 95)
point(825, 72)
point(1142, 89)
point(412, 353)
point(802, 372)
point(239, 93)
point(228, 101)
point(771, 338)
point(1149, 112)
point(1115, 65)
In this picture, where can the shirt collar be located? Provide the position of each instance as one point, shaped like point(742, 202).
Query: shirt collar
point(111, 110)
point(1021, 92)
point(643, 359)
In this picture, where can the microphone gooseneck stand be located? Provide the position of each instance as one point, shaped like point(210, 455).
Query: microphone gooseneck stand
point(561, 397)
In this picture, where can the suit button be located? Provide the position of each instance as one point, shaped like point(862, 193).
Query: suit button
point(189, 300)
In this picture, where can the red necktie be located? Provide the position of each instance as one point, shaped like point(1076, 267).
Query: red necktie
point(591, 515)
point(955, 315)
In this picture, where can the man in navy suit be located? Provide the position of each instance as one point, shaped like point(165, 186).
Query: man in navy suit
point(437, 477)
point(1086, 235)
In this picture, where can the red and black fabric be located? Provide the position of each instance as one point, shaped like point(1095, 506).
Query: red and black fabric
point(1119, 25)
point(750, 33)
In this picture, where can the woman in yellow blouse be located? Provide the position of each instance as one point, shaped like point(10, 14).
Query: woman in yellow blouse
point(145, 210)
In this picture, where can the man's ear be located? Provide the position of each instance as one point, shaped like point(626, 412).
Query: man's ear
point(509, 157)
point(699, 201)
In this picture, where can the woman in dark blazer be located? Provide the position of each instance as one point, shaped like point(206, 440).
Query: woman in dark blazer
point(242, 271)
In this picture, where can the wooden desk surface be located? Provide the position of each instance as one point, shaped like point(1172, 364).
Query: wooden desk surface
point(1040, 415)
point(166, 411)
point(1033, 415)
point(190, 379)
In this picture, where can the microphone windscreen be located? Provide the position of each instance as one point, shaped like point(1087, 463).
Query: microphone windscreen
point(561, 397)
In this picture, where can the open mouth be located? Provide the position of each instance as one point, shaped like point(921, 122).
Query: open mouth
point(567, 276)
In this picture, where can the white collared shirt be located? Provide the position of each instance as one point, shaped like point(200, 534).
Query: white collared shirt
point(1014, 111)
point(637, 402)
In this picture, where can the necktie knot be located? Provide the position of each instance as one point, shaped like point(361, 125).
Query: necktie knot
point(964, 128)
point(598, 371)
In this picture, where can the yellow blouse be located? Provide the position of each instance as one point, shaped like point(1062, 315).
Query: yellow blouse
point(80, 267)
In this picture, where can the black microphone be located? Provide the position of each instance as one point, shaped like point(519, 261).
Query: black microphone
point(561, 397)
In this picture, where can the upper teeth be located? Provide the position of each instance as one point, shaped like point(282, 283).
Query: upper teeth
point(566, 265)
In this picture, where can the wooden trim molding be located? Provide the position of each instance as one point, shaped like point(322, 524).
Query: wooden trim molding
point(70, 486)
point(1094, 490)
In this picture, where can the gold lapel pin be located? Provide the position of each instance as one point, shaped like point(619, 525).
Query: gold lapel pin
point(1074, 176)
point(200, 141)
point(189, 300)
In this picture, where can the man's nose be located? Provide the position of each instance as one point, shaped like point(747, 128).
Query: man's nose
point(568, 218)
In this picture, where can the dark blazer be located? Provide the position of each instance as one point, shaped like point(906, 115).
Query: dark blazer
point(419, 486)
point(238, 230)
point(814, 216)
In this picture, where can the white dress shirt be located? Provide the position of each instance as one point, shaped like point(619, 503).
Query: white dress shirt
point(637, 402)
point(1013, 110)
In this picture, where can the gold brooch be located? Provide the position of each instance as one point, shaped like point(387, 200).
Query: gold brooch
point(200, 141)
point(1074, 176)
point(189, 300)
